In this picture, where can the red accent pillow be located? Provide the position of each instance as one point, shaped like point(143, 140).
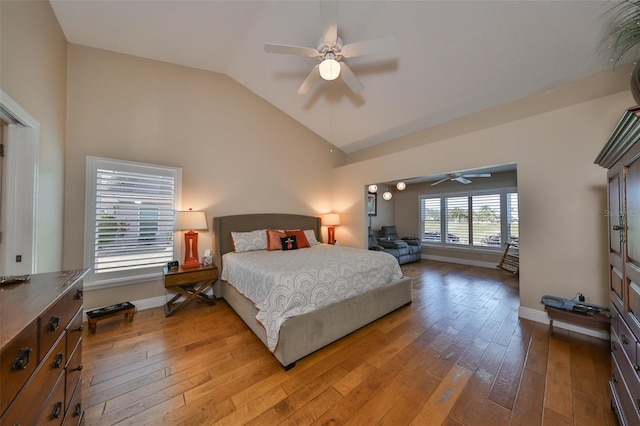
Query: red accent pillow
point(300, 237)
point(273, 239)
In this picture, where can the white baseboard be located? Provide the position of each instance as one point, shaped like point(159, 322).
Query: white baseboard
point(481, 264)
point(542, 317)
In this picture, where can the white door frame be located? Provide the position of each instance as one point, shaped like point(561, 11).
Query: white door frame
point(18, 209)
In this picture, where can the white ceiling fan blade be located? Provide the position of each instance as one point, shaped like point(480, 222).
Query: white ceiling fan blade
point(329, 16)
point(440, 181)
point(477, 175)
point(350, 78)
point(290, 50)
point(313, 76)
point(368, 47)
point(462, 180)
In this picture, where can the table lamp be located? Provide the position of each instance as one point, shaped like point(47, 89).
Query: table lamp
point(331, 220)
point(190, 221)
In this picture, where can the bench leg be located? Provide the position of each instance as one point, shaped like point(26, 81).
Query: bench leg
point(92, 324)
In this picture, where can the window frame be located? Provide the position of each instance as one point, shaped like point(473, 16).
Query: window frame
point(130, 276)
point(443, 196)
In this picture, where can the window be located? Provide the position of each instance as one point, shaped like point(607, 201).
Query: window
point(486, 220)
point(128, 220)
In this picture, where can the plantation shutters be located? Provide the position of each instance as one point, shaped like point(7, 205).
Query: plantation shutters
point(130, 216)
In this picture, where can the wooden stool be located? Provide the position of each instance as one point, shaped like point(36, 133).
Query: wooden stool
point(95, 315)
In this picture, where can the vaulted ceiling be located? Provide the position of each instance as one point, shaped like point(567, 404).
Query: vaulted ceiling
point(452, 58)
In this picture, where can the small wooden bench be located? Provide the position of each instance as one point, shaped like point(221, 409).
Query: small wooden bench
point(95, 315)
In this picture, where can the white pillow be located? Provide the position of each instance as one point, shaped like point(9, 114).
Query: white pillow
point(249, 241)
point(311, 236)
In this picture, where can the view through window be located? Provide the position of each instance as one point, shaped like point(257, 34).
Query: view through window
point(474, 220)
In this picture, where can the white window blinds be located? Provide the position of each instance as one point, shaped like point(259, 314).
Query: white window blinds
point(130, 216)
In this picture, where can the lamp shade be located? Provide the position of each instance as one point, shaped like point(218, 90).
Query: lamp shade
point(189, 220)
point(331, 219)
point(329, 69)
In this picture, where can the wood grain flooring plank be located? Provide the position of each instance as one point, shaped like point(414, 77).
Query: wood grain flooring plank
point(507, 381)
point(558, 397)
point(529, 403)
point(439, 404)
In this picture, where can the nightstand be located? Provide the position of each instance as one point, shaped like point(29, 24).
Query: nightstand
point(189, 283)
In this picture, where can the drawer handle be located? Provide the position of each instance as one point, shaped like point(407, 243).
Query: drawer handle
point(59, 360)
point(57, 410)
point(78, 368)
point(613, 346)
point(636, 367)
point(79, 295)
point(614, 379)
point(22, 360)
point(54, 323)
point(79, 328)
point(78, 410)
point(624, 339)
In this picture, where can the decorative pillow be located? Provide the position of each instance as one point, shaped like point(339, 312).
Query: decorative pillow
point(300, 237)
point(273, 239)
point(249, 241)
point(311, 237)
point(289, 243)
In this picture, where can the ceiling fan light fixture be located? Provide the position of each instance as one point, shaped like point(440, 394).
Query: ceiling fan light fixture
point(329, 69)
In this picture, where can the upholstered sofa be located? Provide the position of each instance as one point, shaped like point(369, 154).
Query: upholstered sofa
point(387, 240)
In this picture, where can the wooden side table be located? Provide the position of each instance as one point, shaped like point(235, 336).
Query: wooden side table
point(189, 283)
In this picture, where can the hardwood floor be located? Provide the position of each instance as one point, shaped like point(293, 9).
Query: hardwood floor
point(458, 355)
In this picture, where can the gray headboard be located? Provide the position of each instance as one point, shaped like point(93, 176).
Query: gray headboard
point(223, 225)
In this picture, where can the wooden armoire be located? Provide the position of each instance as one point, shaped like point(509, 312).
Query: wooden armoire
point(621, 156)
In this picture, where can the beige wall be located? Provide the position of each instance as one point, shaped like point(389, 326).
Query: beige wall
point(562, 193)
point(238, 153)
point(33, 73)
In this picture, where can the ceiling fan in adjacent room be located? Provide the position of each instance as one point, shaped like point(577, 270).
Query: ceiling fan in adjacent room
point(462, 177)
point(331, 51)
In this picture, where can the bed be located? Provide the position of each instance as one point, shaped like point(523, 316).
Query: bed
point(304, 333)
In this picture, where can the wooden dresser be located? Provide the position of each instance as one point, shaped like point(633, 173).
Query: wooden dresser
point(621, 155)
point(41, 353)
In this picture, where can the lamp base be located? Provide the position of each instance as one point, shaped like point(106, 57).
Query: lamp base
point(331, 231)
point(190, 250)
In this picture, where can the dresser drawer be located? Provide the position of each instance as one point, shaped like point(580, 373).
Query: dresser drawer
point(29, 403)
point(54, 321)
point(53, 409)
point(19, 359)
point(74, 332)
point(627, 403)
point(208, 274)
point(73, 371)
point(628, 341)
point(74, 411)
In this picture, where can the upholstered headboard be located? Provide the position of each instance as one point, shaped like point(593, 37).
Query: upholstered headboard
point(223, 225)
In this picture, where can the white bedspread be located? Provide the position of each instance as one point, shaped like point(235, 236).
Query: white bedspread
point(283, 284)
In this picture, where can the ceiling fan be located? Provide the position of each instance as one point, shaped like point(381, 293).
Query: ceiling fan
point(462, 177)
point(331, 50)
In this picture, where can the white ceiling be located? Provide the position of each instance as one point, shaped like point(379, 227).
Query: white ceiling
point(452, 58)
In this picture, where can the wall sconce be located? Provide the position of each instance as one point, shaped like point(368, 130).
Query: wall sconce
point(373, 188)
point(387, 195)
point(401, 186)
point(331, 220)
point(189, 221)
